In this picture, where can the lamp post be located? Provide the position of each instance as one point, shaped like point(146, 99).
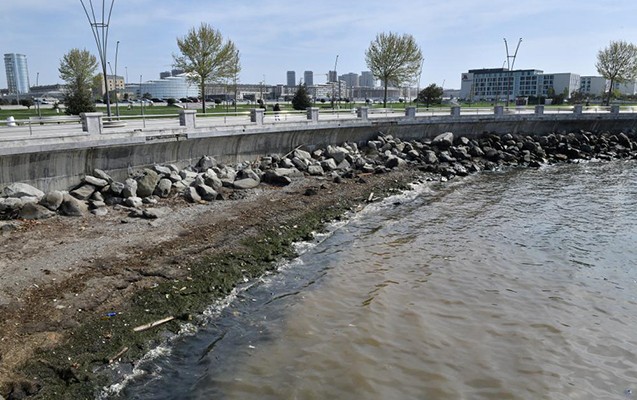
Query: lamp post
point(510, 67)
point(99, 27)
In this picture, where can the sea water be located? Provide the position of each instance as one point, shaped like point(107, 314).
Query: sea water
point(517, 284)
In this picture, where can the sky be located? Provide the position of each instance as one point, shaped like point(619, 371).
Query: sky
point(276, 36)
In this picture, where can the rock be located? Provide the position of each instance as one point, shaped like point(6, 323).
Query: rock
point(277, 176)
point(133, 201)
point(206, 162)
point(117, 188)
point(163, 187)
point(92, 204)
point(329, 164)
point(147, 182)
point(83, 192)
point(302, 154)
point(186, 174)
point(22, 190)
point(395, 162)
point(161, 170)
point(52, 200)
point(429, 157)
point(246, 183)
point(98, 173)
point(191, 195)
point(338, 153)
point(130, 188)
point(248, 173)
point(72, 207)
point(97, 182)
point(99, 212)
point(97, 196)
point(316, 169)
point(300, 164)
point(35, 211)
point(443, 141)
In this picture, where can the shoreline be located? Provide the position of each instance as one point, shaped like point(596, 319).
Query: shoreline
point(178, 277)
point(81, 293)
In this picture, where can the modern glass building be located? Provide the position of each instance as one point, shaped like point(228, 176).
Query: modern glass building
point(308, 78)
point(291, 78)
point(17, 73)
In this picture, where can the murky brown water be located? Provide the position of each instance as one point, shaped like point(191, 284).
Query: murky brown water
point(515, 285)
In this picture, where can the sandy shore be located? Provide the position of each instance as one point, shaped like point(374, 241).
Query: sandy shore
point(72, 289)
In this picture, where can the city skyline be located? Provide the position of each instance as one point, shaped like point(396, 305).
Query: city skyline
point(274, 37)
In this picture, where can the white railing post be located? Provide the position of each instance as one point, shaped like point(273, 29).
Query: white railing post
point(188, 118)
point(410, 112)
point(539, 109)
point(313, 114)
point(92, 122)
point(498, 110)
point(362, 113)
point(256, 115)
point(455, 111)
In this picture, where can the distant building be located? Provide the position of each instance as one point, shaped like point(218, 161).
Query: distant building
point(165, 74)
point(112, 83)
point(308, 78)
point(172, 87)
point(626, 88)
point(351, 79)
point(500, 84)
point(593, 85)
point(291, 81)
point(367, 79)
point(17, 73)
point(331, 76)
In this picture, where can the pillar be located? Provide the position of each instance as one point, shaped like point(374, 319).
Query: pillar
point(188, 118)
point(410, 112)
point(313, 114)
point(362, 113)
point(539, 109)
point(92, 122)
point(256, 115)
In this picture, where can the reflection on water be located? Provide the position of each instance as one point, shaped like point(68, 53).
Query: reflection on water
point(509, 285)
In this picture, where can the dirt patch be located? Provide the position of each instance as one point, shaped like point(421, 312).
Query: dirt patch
point(73, 288)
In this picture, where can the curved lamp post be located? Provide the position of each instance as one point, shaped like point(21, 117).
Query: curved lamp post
point(99, 27)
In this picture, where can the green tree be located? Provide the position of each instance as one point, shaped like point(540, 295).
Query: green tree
point(301, 100)
point(206, 58)
point(431, 94)
point(394, 59)
point(77, 69)
point(28, 103)
point(617, 63)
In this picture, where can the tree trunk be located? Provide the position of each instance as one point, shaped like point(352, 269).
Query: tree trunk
point(385, 95)
point(203, 95)
point(610, 91)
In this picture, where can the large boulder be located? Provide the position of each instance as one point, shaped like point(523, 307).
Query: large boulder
point(443, 141)
point(22, 190)
point(35, 211)
point(130, 188)
point(73, 207)
point(52, 200)
point(163, 187)
point(97, 182)
point(84, 192)
point(246, 183)
point(147, 182)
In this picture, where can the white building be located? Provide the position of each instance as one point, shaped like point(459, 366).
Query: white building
point(593, 85)
point(174, 87)
point(17, 73)
point(502, 84)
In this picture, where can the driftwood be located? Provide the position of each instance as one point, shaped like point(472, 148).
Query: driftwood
point(118, 355)
point(153, 324)
point(371, 197)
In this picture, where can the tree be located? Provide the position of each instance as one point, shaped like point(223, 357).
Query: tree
point(28, 103)
point(301, 100)
point(617, 63)
point(394, 59)
point(77, 68)
point(205, 58)
point(431, 94)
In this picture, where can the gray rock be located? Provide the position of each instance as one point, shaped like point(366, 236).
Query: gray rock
point(206, 192)
point(99, 212)
point(186, 174)
point(338, 153)
point(22, 190)
point(83, 192)
point(163, 187)
point(96, 204)
point(430, 157)
point(133, 201)
point(278, 176)
point(161, 170)
point(443, 141)
point(300, 163)
point(302, 154)
point(206, 162)
point(248, 173)
point(130, 188)
point(191, 195)
point(97, 196)
point(98, 173)
point(117, 188)
point(246, 183)
point(73, 207)
point(35, 211)
point(98, 182)
point(52, 200)
point(395, 162)
point(344, 165)
point(328, 165)
point(316, 169)
point(211, 179)
point(286, 163)
point(147, 182)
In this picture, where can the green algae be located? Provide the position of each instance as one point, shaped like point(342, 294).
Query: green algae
point(76, 368)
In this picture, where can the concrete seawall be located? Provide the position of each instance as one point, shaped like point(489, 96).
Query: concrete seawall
point(60, 163)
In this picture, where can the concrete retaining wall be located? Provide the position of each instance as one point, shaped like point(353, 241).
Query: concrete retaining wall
point(56, 167)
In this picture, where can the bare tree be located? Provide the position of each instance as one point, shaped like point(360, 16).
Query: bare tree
point(394, 59)
point(617, 63)
point(206, 58)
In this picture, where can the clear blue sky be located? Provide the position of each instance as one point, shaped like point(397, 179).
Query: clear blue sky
point(275, 36)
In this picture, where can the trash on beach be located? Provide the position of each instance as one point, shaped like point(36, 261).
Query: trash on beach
point(116, 356)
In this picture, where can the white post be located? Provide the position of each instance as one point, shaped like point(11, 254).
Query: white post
point(92, 122)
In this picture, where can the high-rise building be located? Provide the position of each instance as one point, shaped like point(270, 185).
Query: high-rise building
point(332, 77)
point(291, 78)
point(366, 79)
point(17, 73)
point(308, 78)
point(351, 79)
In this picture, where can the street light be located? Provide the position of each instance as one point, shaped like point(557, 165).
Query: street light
point(100, 33)
point(510, 67)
